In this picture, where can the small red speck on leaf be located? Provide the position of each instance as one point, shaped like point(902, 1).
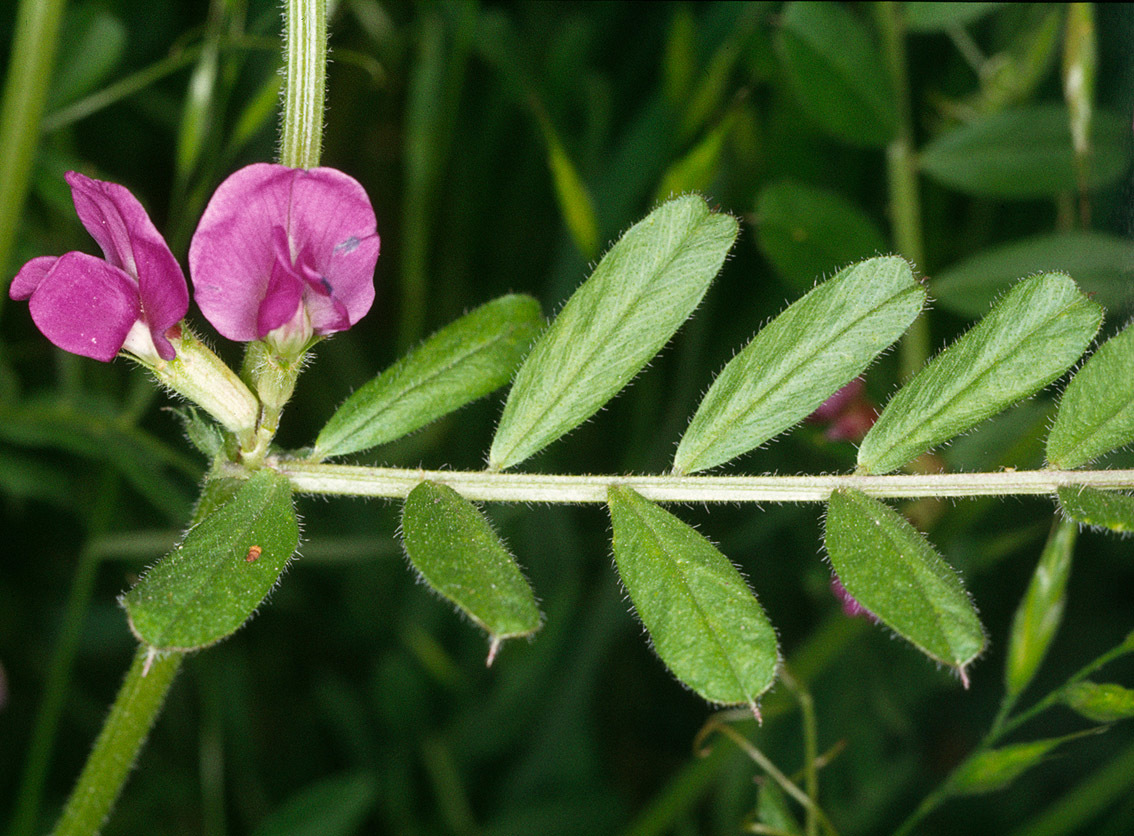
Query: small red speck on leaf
point(253, 553)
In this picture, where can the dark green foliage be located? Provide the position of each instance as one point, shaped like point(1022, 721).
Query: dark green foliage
point(501, 144)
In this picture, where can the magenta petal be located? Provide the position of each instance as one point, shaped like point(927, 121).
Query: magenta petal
point(85, 306)
point(285, 290)
point(130, 241)
point(329, 229)
point(232, 255)
point(332, 217)
point(30, 275)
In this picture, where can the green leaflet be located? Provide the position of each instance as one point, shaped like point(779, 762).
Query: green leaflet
point(637, 297)
point(837, 73)
point(454, 549)
point(463, 361)
point(224, 568)
point(798, 360)
point(704, 621)
point(1025, 153)
point(1099, 262)
point(1096, 413)
point(574, 198)
point(892, 571)
point(997, 768)
point(1031, 336)
point(1099, 702)
point(807, 232)
point(1101, 509)
point(1041, 609)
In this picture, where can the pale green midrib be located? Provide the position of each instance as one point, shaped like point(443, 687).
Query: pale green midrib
point(701, 614)
point(1118, 412)
point(732, 418)
point(598, 344)
point(987, 370)
point(360, 426)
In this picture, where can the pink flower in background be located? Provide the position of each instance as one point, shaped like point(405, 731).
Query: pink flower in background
point(97, 307)
point(851, 607)
point(848, 414)
point(285, 254)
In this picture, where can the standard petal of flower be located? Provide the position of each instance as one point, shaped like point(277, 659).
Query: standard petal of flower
point(232, 253)
point(332, 217)
point(30, 275)
point(85, 306)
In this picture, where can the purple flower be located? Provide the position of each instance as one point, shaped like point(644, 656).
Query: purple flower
point(96, 307)
point(285, 253)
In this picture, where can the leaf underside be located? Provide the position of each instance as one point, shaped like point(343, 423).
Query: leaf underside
point(704, 621)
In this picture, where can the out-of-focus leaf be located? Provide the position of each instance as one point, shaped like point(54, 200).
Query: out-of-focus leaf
point(837, 73)
point(257, 113)
point(1099, 702)
point(1031, 336)
point(1025, 153)
point(1096, 413)
point(95, 44)
point(798, 360)
point(465, 360)
point(197, 111)
point(695, 171)
point(455, 550)
point(890, 569)
point(1041, 610)
point(806, 232)
point(574, 199)
point(335, 806)
point(638, 296)
point(939, 17)
point(223, 569)
point(679, 63)
point(704, 621)
point(1102, 264)
point(773, 811)
point(90, 428)
point(28, 478)
point(997, 768)
point(1100, 509)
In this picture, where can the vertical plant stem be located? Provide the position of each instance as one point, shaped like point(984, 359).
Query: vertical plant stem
point(901, 170)
point(25, 95)
point(29, 797)
point(126, 729)
point(301, 130)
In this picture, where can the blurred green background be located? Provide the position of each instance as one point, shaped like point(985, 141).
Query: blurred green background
point(504, 145)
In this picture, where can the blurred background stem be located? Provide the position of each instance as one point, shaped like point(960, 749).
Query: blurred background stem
point(902, 174)
point(25, 96)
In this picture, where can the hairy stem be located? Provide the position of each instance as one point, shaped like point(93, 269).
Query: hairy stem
point(349, 480)
point(126, 729)
point(301, 130)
